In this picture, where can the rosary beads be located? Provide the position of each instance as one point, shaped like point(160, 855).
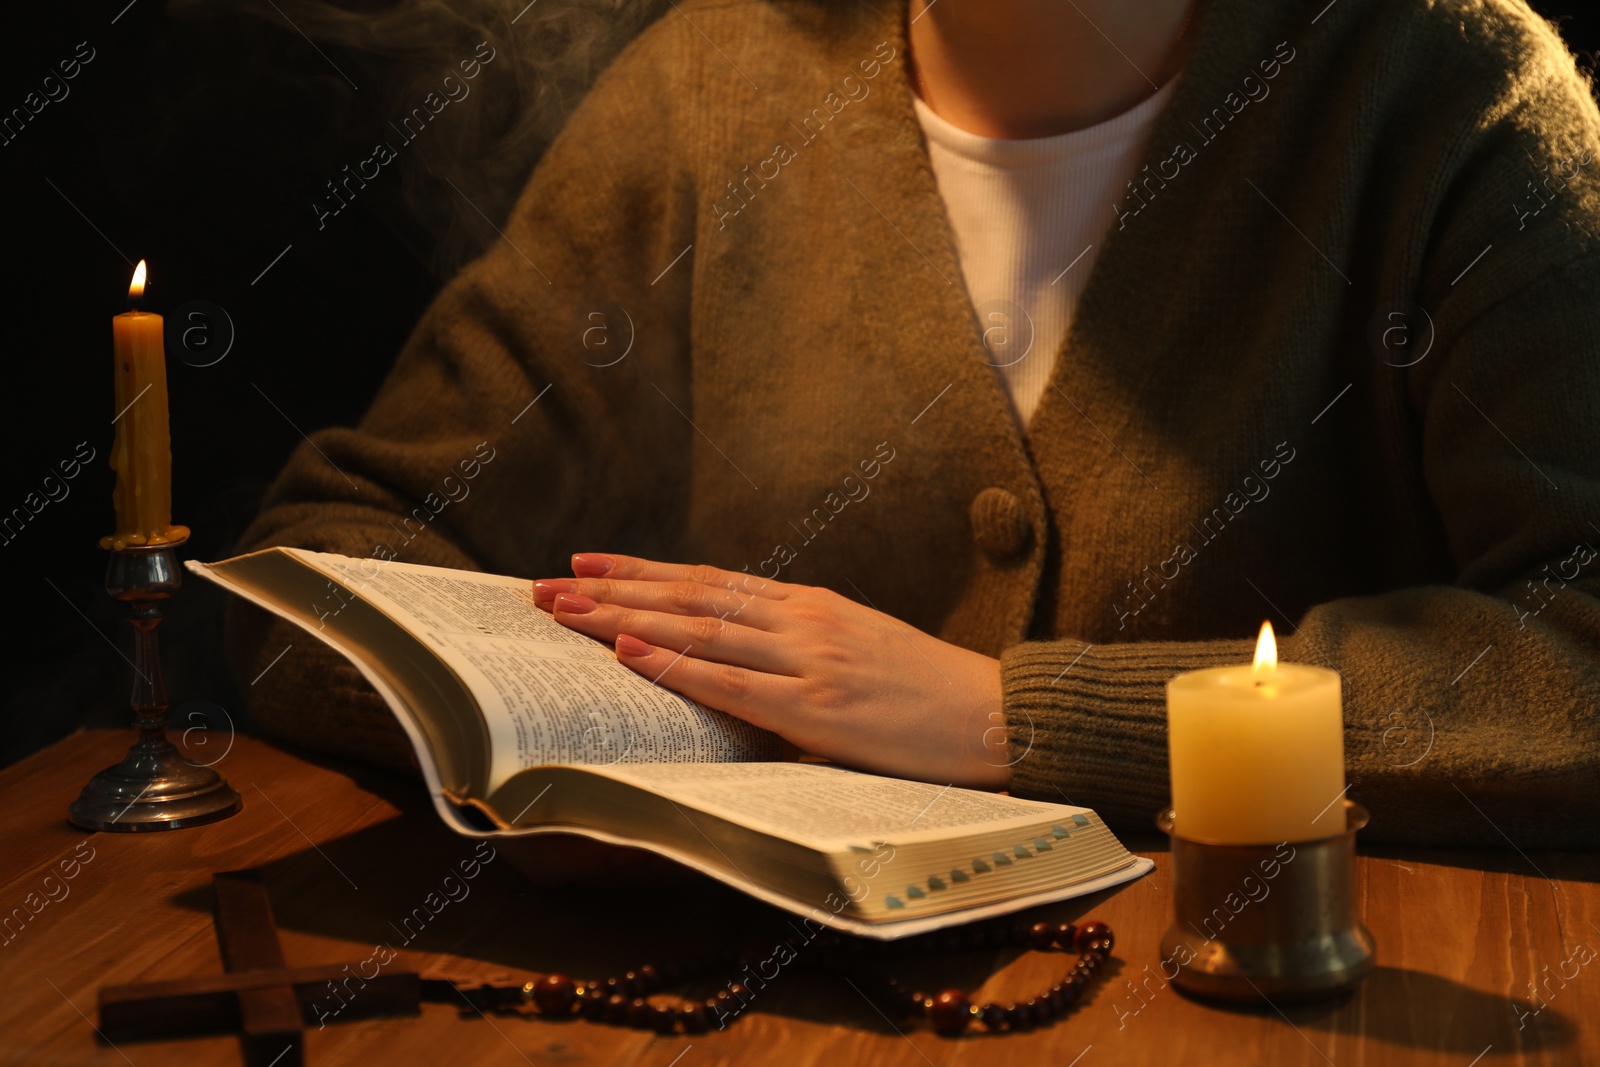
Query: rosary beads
point(624, 1000)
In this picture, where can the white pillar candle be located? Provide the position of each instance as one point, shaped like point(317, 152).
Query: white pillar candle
point(1256, 751)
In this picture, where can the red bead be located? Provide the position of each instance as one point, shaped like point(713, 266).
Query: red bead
point(554, 994)
point(591, 1001)
point(1067, 935)
point(696, 1017)
point(1091, 933)
point(724, 1008)
point(720, 1012)
point(900, 999)
point(1041, 935)
point(951, 1012)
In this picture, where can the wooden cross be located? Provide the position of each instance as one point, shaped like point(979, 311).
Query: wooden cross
point(260, 996)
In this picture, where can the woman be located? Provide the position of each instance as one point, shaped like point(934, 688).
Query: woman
point(807, 293)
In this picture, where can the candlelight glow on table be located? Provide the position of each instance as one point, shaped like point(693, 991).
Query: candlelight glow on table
point(1257, 751)
point(142, 454)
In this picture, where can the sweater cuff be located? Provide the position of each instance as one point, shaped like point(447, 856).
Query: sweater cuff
point(1087, 724)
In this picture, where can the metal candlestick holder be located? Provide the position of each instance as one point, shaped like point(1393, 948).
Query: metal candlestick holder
point(1266, 921)
point(154, 787)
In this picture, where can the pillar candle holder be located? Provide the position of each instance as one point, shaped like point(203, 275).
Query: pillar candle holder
point(1267, 921)
point(154, 787)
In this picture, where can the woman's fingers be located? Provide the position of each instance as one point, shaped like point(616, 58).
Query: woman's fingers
point(748, 694)
point(706, 637)
point(668, 597)
point(611, 565)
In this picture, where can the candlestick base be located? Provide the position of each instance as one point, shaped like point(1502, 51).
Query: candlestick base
point(1274, 922)
point(154, 787)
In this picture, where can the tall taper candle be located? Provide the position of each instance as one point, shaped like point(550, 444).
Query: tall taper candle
point(142, 454)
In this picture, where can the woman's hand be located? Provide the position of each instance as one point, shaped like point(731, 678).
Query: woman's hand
point(837, 679)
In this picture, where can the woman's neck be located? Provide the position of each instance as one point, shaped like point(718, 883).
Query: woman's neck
point(1034, 68)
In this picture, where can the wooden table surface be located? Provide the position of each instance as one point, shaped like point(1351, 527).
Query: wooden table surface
point(1483, 956)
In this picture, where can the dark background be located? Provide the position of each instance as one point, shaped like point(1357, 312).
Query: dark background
point(199, 146)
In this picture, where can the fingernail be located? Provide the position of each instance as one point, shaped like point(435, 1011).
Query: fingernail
point(547, 588)
point(574, 603)
point(632, 646)
point(591, 565)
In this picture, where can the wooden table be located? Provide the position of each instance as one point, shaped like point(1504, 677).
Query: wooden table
point(349, 852)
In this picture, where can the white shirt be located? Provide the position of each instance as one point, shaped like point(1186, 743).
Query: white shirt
point(1029, 218)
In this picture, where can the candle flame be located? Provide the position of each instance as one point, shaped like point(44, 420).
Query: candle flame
point(1266, 651)
point(136, 290)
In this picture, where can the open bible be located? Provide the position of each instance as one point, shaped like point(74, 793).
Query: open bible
point(522, 726)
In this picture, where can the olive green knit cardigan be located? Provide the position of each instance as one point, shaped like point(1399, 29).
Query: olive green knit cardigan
point(1337, 366)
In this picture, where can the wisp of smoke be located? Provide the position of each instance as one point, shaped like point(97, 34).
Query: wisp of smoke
point(546, 56)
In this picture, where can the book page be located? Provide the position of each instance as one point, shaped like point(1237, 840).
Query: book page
point(829, 807)
point(550, 695)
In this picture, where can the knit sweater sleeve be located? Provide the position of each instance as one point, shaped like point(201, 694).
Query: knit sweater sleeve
point(1471, 711)
point(528, 387)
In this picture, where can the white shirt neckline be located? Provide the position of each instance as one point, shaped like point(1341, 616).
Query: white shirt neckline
point(1012, 153)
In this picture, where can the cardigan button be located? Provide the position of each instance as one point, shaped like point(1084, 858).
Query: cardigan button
point(1000, 525)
